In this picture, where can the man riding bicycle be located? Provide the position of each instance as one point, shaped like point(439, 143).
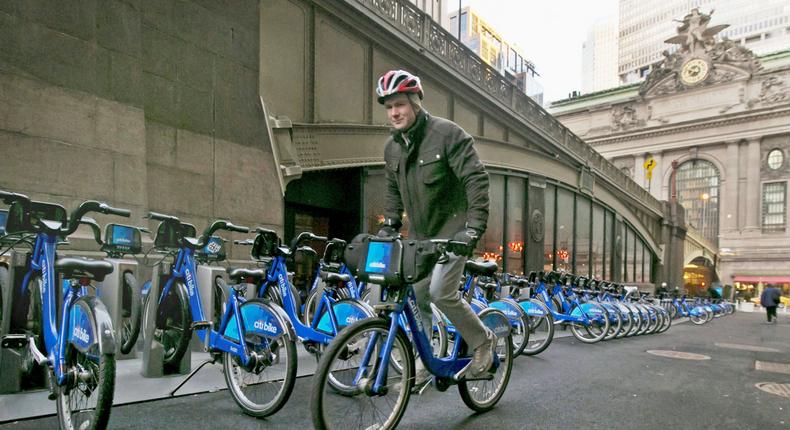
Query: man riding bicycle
point(434, 173)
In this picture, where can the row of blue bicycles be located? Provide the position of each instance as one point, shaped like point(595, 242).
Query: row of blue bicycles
point(366, 347)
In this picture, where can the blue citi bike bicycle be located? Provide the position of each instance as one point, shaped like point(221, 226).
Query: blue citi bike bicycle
point(375, 357)
point(75, 340)
point(253, 338)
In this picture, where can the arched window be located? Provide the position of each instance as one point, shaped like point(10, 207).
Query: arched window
point(698, 191)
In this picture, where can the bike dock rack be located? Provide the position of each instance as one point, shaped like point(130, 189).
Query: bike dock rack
point(206, 277)
point(111, 294)
point(14, 361)
point(153, 351)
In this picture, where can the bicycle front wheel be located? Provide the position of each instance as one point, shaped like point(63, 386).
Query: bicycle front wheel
point(85, 400)
point(131, 308)
point(172, 322)
point(355, 357)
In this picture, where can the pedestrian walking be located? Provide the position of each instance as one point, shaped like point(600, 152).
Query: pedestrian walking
point(770, 300)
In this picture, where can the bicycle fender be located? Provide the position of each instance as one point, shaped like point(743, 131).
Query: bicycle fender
point(532, 309)
point(513, 312)
point(496, 321)
point(262, 318)
point(347, 312)
point(85, 331)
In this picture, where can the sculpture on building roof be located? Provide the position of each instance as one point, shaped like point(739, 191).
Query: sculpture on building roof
point(694, 34)
point(701, 60)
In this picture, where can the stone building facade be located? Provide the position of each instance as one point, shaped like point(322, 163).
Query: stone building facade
point(711, 127)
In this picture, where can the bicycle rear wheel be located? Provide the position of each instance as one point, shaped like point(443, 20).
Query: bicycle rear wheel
point(131, 308)
point(483, 395)
point(85, 400)
point(263, 386)
point(362, 409)
point(541, 331)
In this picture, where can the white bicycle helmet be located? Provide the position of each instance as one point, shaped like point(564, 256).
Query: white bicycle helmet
point(397, 81)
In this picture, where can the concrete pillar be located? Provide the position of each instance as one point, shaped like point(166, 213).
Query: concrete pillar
point(673, 234)
point(729, 194)
point(752, 192)
point(536, 220)
point(743, 168)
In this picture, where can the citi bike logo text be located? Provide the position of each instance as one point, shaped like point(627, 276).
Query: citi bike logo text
point(416, 312)
point(190, 284)
point(351, 319)
point(377, 265)
point(81, 334)
point(281, 284)
point(265, 326)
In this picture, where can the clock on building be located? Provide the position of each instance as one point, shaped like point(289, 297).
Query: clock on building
point(694, 71)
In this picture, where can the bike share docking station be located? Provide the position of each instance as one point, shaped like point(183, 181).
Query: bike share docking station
point(14, 363)
point(213, 294)
point(120, 291)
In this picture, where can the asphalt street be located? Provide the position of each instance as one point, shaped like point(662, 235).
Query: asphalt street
point(610, 385)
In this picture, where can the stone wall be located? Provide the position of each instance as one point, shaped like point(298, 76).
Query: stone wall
point(145, 104)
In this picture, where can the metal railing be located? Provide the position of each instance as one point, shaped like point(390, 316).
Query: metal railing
point(430, 36)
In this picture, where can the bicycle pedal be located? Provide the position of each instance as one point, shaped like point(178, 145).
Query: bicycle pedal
point(14, 341)
point(201, 325)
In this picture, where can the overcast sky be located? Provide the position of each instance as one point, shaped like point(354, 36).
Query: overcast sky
point(549, 32)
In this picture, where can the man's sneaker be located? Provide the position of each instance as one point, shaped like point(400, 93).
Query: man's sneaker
point(482, 360)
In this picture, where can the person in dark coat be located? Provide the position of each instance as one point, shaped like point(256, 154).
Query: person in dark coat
point(435, 176)
point(769, 299)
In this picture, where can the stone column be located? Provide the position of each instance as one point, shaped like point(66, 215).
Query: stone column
point(729, 191)
point(752, 191)
point(536, 221)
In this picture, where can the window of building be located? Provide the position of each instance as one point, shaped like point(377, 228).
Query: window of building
point(629, 275)
point(774, 206)
point(598, 242)
point(514, 250)
point(490, 244)
point(698, 191)
point(776, 159)
point(564, 239)
point(582, 251)
point(608, 248)
point(639, 259)
point(549, 224)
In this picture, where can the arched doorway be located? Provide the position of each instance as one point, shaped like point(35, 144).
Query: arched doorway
point(697, 184)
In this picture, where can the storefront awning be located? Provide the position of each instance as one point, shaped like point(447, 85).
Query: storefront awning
point(764, 279)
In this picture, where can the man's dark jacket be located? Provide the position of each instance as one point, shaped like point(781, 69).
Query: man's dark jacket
point(437, 178)
point(770, 297)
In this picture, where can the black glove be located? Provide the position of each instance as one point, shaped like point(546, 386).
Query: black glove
point(468, 236)
point(387, 231)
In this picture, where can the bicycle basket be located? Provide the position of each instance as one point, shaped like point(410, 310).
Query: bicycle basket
point(3, 218)
point(390, 261)
point(303, 265)
point(19, 222)
point(333, 253)
point(169, 234)
point(213, 251)
point(265, 245)
point(122, 238)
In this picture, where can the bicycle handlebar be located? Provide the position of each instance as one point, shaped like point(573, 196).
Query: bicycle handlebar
point(304, 237)
point(220, 224)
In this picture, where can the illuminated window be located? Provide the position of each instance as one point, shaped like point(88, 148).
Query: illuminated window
point(775, 159)
point(698, 191)
point(774, 206)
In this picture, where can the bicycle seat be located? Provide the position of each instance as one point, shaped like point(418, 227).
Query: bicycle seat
point(485, 268)
point(335, 278)
point(242, 275)
point(72, 267)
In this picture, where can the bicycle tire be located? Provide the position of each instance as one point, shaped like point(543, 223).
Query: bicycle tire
point(173, 309)
point(325, 415)
point(100, 387)
point(232, 368)
point(614, 314)
point(469, 389)
point(220, 300)
point(131, 313)
point(579, 331)
point(539, 343)
point(33, 322)
point(3, 284)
